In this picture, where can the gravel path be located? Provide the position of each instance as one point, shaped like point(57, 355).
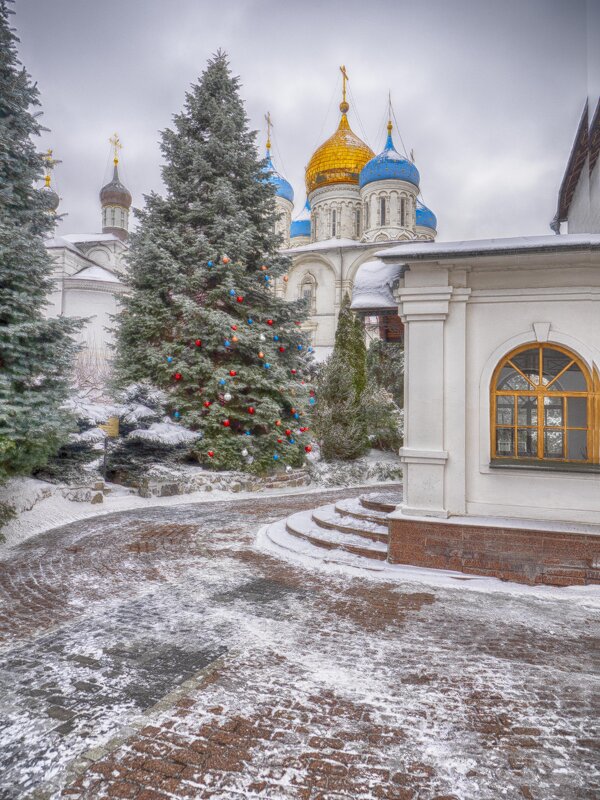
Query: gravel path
point(157, 654)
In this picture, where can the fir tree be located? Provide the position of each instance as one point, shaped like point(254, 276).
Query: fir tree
point(35, 353)
point(340, 420)
point(201, 320)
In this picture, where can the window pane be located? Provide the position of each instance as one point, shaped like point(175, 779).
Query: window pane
point(573, 380)
point(505, 410)
point(505, 442)
point(529, 364)
point(527, 410)
point(553, 411)
point(553, 362)
point(509, 378)
point(577, 445)
point(577, 412)
point(527, 442)
point(553, 444)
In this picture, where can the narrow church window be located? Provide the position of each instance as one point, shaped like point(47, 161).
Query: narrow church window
point(357, 222)
point(367, 215)
point(333, 223)
point(542, 407)
point(382, 214)
point(308, 292)
point(403, 212)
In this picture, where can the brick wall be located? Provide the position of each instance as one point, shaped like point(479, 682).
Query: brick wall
point(514, 554)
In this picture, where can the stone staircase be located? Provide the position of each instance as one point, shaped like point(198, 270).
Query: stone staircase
point(353, 531)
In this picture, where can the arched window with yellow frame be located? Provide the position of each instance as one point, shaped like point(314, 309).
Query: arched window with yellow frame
point(544, 407)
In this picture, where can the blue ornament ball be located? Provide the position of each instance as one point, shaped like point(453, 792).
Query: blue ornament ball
point(169, 359)
point(232, 292)
point(222, 382)
point(267, 366)
point(248, 433)
point(177, 415)
point(267, 278)
point(312, 401)
point(299, 347)
point(292, 441)
point(296, 415)
point(276, 457)
point(276, 338)
point(210, 264)
point(227, 343)
point(310, 349)
point(250, 321)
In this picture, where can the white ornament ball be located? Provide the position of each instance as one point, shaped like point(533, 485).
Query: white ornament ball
point(244, 452)
point(227, 397)
point(262, 337)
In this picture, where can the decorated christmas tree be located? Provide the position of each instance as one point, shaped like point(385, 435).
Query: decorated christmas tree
point(202, 319)
point(35, 353)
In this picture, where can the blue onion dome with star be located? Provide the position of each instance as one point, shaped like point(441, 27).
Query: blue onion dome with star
point(301, 225)
point(389, 165)
point(282, 187)
point(425, 216)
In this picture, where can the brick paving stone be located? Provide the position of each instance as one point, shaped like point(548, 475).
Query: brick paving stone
point(225, 673)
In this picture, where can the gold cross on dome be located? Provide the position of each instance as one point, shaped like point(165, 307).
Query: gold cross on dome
point(116, 144)
point(344, 105)
point(269, 126)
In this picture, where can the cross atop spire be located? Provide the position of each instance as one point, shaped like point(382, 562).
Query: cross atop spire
point(344, 104)
point(116, 145)
point(269, 126)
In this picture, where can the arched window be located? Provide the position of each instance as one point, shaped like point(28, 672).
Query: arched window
point(333, 223)
point(403, 212)
point(382, 211)
point(366, 214)
point(543, 407)
point(357, 222)
point(308, 292)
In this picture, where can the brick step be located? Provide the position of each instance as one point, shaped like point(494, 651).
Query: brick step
point(302, 526)
point(378, 501)
point(327, 517)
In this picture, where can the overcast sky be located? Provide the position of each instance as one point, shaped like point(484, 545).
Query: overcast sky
point(487, 93)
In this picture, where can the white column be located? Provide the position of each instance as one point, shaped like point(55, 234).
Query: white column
point(424, 311)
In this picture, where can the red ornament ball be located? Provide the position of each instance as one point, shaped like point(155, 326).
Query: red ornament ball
point(226, 259)
point(240, 299)
point(282, 349)
point(278, 422)
point(279, 441)
point(211, 453)
point(264, 269)
point(308, 448)
point(234, 327)
point(251, 409)
point(178, 376)
point(233, 373)
point(288, 432)
point(293, 371)
point(226, 423)
point(207, 403)
point(269, 322)
point(198, 342)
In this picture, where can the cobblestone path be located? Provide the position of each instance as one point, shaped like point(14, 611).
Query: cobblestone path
point(156, 654)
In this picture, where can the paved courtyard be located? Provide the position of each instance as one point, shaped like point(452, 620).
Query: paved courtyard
point(157, 654)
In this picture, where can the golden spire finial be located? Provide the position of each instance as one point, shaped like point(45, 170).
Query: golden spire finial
point(344, 105)
point(50, 162)
point(389, 125)
point(269, 126)
point(116, 145)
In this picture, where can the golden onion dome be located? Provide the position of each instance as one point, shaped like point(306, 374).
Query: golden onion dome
point(339, 159)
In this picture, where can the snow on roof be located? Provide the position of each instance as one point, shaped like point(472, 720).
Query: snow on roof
point(485, 247)
point(80, 238)
point(60, 241)
point(96, 273)
point(373, 286)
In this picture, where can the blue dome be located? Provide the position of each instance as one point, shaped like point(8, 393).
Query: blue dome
point(425, 216)
point(301, 225)
point(389, 165)
point(282, 187)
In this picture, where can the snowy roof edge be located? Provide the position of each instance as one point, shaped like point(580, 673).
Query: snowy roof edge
point(488, 247)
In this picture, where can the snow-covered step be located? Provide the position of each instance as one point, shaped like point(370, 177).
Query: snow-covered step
point(381, 501)
point(278, 536)
point(303, 526)
point(328, 517)
point(352, 507)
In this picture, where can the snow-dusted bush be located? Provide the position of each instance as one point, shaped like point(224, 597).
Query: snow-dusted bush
point(384, 420)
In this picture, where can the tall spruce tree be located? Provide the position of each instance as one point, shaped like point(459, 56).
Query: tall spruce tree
point(201, 320)
point(35, 353)
point(340, 420)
